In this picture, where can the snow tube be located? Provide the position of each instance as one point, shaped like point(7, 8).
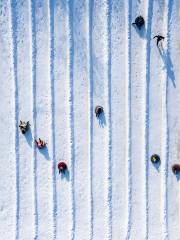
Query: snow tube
point(155, 158)
point(98, 110)
point(139, 22)
point(176, 168)
point(62, 167)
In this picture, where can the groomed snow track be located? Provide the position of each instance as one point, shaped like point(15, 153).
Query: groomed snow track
point(59, 60)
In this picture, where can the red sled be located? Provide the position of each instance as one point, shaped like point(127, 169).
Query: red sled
point(62, 167)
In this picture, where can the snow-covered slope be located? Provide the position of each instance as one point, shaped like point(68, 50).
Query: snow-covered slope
point(59, 60)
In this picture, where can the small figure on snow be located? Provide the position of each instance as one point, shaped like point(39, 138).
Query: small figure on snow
point(40, 144)
point(62, 167)
point(24, 126)
point(139, 22)
point(159, 38)
point(155, 158)
point(98, 110)
point(176, 168)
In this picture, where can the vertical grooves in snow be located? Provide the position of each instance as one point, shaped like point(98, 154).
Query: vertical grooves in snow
point(71, 113)
point(165, 144)
point(109, 197)
point(33, 127)
point(91, 2)
point(165, 156)
point(146, 112)
point(128, 118)
point(16, 108)
point(51, 17)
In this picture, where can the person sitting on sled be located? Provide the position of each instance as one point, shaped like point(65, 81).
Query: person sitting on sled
point(24, 126)
point(40, 144)
point(62, 167)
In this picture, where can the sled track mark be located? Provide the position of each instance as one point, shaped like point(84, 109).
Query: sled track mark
point(165, 143)
point(51, 21)
point(33, 76)
point(71, 112)
point(16, 108)
point(109, 171)
point(146, 112)
point(128, 118)
point(91, 3)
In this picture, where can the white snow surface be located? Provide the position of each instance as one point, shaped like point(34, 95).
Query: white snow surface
point(59, 60)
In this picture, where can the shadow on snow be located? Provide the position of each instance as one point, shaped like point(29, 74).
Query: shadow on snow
point(44, 151)
point(168, 64)
point(102, 120)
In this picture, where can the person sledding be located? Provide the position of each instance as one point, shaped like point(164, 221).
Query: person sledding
point(139, 22)
point(176, 168)
point(24, 126)
point(159, 39)
point(40, 143)
point(62, 167)
point(98, 111)
point(155, 158)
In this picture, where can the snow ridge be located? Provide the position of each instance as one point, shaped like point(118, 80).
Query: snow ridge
point(16, 108)
point(165, 133)
point(51, 23)
point(128, 119)
point(146, 112)
point(109, 195)
point(165, 144)
point(71, 113)
point(91, 3)
point(33, 125)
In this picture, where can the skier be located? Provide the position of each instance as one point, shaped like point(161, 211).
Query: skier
point(159, 38)
point(98, 110)
point(139, 22)
point(24, 126)
point(40, 144)
point(176, 168)
point(155, 158)
point(62, 167)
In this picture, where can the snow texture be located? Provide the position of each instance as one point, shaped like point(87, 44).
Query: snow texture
point(59, 60)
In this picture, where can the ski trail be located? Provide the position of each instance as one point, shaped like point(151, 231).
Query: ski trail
point(54, 199)
point(173, 118)
point(71, 112)
point(33, 125)
point(118, 119)
point(80, 118)
point(128, 119)
point(146, 115)
point(138, 106)
point(90, 26)
point(43, 122)
point(20, 19)
point(61, 119)
point(100, 126)
point(109, 113)
point(165, 134)
point(155, 133)
point(8, 184)
point(16, 109)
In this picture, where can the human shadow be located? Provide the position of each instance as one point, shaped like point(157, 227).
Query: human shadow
point(157, 165)
point(65, 175)
point(140, 31)
point(28, 136)
point(177, 176)
point(44, 151)
point(168, 64)
point(102, 120)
